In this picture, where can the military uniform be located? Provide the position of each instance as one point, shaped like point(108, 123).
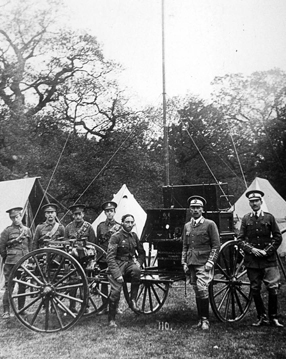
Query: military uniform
point(15, 242)
point(45, 232)
point(121, 259)
point(201, 243)
point(260, 231)
point(104, 232)
point(81, 231)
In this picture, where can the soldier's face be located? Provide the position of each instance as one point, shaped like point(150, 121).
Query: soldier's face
point(110, 213)
point(255, 204)
point(78, 216)
point(50, 215)
point(128, 224)
point(196, 211)
point(17, 220)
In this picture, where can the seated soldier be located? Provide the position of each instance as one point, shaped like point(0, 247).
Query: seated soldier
point(121, 259)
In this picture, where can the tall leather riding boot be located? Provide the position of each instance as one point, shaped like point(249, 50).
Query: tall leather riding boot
point(204, 308)
point(6, 307)
point(199, 324)
point(272, 310)
point(272, 306)
point(259, 305)
point(133, 296)
point(198, 302)
point(21, 300)
point(111, 314)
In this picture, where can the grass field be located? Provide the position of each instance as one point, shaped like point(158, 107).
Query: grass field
point(143, 336)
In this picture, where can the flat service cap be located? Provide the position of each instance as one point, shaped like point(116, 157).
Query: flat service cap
point(13, 212)
point(253, 195)
point(108, 205)
point(76, 208)
point(196, 201)
point(50, 207)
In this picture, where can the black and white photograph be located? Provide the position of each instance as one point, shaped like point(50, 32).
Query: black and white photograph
point(142, 179)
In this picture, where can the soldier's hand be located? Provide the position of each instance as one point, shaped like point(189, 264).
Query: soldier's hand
point(120, 279)
point(208, 266)
point(137, 263)
point(258, 252)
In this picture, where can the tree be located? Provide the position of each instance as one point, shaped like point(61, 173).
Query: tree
point(252, 107)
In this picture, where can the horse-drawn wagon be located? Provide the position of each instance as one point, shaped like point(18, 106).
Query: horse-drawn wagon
point(63, 272)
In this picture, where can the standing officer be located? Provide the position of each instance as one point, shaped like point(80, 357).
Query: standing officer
point(201, 245)
point(260, 237)
point(82, 232)
point(50, 230)
point(15, 242)
point(123, 249)
point(103, 233)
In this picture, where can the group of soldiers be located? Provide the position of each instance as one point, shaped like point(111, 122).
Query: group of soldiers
point(259, 237)
point(16, 241)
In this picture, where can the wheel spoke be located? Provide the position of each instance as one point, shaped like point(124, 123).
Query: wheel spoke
point(223, 298)
point(57, 314)
point(230, 295)
point(150, 298)
point(155, 293)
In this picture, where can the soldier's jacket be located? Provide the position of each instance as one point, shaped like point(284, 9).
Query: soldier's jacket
point(104, 232)
point(123, 247)
point(43, 231)
point(201, 242)
point(84, 230)
point(11, 249)
point(262, 233)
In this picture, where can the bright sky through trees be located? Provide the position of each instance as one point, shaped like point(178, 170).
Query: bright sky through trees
point(204, 39)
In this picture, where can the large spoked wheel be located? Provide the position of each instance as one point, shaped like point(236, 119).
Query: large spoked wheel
point(152, 294)
point(48, 290)
point(98, 284)
point(230, 294)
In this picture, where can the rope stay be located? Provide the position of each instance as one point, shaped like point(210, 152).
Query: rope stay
point(51, 178)
point(200, 153)
point(236, 153)
point(98, 174)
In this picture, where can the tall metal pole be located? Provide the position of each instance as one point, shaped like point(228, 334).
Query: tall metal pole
point(165, 126)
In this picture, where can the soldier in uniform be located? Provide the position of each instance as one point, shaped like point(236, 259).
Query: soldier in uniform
point(104, 231)
point(260, 237)
point(15, 242)
point(201, 243)
point(125, 256)
point(50, 230)
point(79, 228)
point(81, 231)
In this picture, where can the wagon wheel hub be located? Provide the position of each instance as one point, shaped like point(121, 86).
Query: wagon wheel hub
point(48, 290)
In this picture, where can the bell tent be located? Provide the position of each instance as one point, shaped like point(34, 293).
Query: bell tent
point(126, 204)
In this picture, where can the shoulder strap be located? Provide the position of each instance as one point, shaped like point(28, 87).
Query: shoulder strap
point(54, 229)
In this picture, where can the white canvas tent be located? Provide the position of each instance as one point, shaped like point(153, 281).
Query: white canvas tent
point(272, 203)
point(126, 204)
point(26, 193)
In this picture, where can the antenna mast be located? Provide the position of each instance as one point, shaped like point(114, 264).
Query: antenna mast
point(165, 126)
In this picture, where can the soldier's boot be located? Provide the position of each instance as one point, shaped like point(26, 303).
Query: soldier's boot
point(204, 307)
point(260, 309)
point(272, 310)
point(133, 297)
point(72, 305)
point(6, 312)
point(105, 303)
point(199, 324)
point(21, 300)
point(111, 314)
